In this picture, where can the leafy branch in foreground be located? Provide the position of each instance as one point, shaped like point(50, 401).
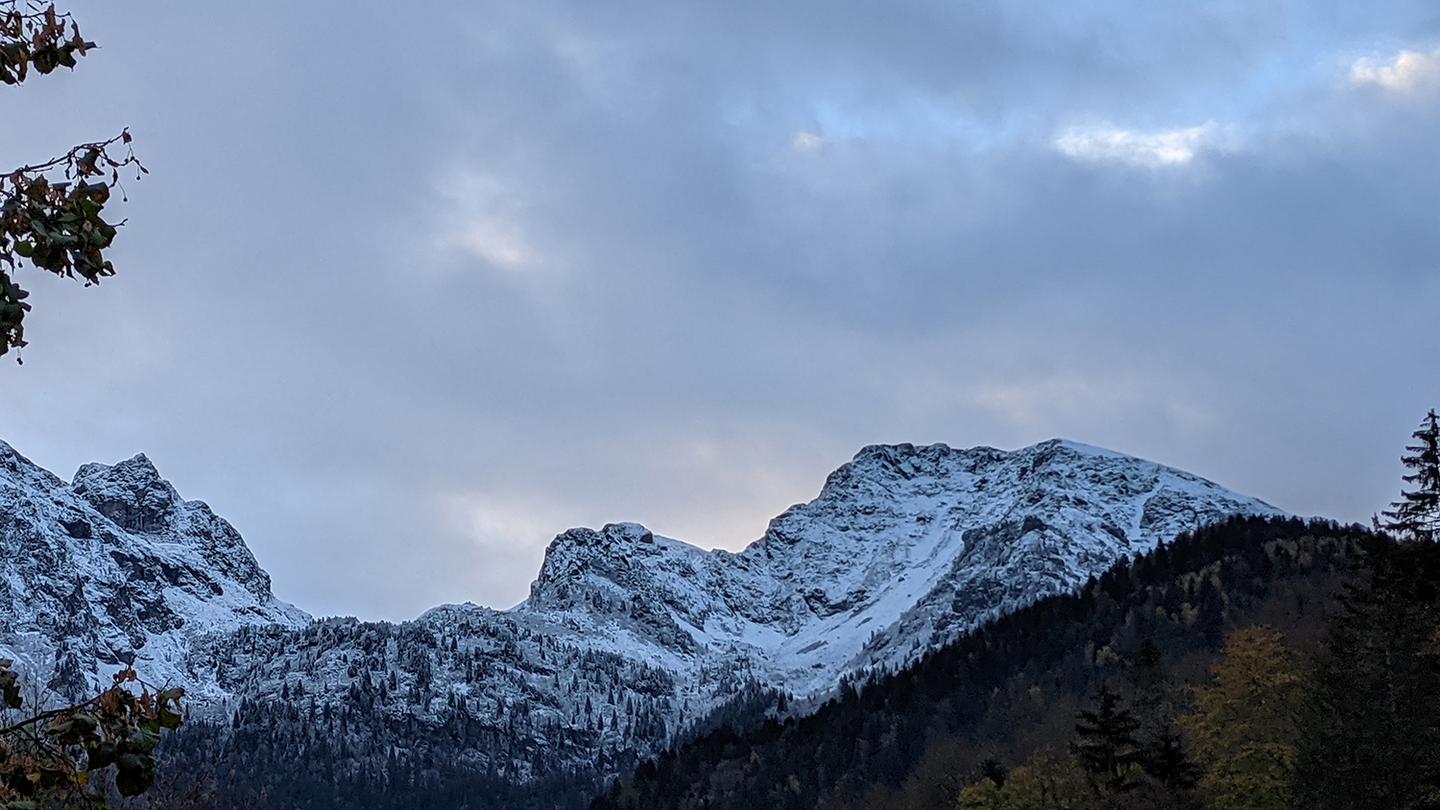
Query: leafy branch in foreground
point(38, 36)
point(57, 224)
point(54, 756)
point(51, 213)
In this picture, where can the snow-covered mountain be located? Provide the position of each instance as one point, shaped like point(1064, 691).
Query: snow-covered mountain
point(114, 567)
point(626, 638)
point(905, 548)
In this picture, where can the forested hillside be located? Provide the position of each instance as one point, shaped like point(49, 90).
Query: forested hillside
point(1107, 697)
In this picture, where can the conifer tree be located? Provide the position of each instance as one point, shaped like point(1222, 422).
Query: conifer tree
point(1416, 516)
point(1163, 755)
point(1167, 761)
point(1372, 730)
point(1105, 743)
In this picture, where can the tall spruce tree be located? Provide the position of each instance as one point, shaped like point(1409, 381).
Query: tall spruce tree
point(1416, 516)
point(1372, 720)
point(1105, 743)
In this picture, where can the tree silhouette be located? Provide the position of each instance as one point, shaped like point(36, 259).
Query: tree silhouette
point(1416, 516)
point(1105, 742)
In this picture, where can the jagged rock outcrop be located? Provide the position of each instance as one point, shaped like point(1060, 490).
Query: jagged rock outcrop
point(118, 567)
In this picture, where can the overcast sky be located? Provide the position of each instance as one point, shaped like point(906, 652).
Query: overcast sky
point(409, 292)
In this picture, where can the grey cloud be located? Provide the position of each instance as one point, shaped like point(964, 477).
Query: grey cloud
point(405, 295)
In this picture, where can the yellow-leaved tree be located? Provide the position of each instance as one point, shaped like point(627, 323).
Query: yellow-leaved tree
point(1046, 782)
point(1245, 725)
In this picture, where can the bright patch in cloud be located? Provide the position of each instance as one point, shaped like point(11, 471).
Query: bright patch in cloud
point(1405, 72)
point(486, 220)
point(1168, 147)
point(806, 142)
point(496, 242)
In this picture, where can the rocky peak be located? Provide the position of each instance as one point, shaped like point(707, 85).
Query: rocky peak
point(624, 576)
point(612, 553)
point(131, 493)
point(116, 564)
point(907, 460)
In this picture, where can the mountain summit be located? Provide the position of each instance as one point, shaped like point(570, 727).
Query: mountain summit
point(627, 638)
point(904, 548)
point(115, 567)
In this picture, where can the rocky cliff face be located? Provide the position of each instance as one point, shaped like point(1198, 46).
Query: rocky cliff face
point(117, 567)
point(627, 637)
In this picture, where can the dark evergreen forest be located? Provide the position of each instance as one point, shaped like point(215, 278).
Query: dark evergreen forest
point(1256, 663)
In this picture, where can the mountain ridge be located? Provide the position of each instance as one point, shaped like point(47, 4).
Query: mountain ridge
point(627, 637)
